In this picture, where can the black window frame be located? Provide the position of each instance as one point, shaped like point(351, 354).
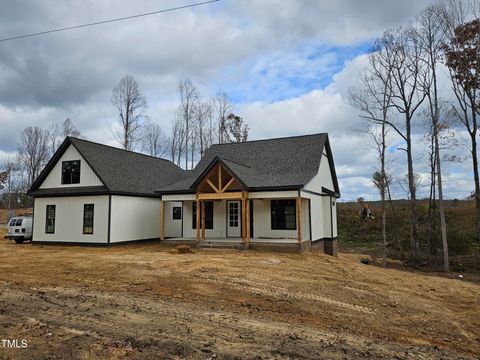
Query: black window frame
point(177, 213)
point(208, 215)
point(54, 207)
point(278, 214)
point(71, 175)
point(85, 219)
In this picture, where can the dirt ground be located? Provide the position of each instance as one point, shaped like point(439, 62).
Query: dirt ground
point(146, 301)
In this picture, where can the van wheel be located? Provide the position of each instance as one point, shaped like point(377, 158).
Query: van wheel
point(19, 241)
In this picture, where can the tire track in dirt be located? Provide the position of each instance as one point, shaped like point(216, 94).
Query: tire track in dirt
point(259, 288)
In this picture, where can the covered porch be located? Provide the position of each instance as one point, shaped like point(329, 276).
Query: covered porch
point(231, 214)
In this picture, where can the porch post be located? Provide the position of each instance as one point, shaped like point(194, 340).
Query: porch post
point(162, 220)
point(197, 207)
point(247, 210)
point(203, 220)
point(243, 217)
point(299, 218)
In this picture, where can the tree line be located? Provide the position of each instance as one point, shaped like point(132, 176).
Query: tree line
point(199, 122)
point(399, 91)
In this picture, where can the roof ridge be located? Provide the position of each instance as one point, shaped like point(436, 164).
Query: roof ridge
point(233, 161)
point(271, 139)
point(116, 148)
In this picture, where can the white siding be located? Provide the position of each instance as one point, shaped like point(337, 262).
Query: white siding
point(173, 228)
point(322, 215)
point(272, 194)
point(69, 219)
point(87, 176)
point(134, 218)
point(179, 197)
point(219, 220)
point(334, 214)
point(323, 178)
point(326, 215)
point(262, 222)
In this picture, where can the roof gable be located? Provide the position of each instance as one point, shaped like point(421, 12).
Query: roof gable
point(119, 170)
point(87, 175)
point(289, 162)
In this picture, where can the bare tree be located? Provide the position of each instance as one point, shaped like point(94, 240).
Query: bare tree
point(204, 126)
point(33, 151)
point(154, 141)
point(58, 132)
point(222, 107)
point(130, 103)
point(189, 99)
point(397, 61)
point(431, 37)
point(177, 140)
point(373, 99)
point(69, 129)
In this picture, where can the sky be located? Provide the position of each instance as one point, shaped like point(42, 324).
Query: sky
point(286, 64)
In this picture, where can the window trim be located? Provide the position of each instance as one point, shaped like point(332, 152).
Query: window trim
point(274, 222)
point(54, 218)
point(84, 218)
point(71, 180)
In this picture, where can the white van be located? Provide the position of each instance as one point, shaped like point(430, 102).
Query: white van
point(19, 229)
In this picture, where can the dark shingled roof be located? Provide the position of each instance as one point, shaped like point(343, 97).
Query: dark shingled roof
point(120, 171)
point(283, 163)
point(289, 162)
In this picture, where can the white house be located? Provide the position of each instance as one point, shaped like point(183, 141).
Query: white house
point(278, 194)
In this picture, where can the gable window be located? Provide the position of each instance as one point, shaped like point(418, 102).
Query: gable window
point(283, 214)
point(88, 219)
point(208, 215)
point(50, 219)
point(71, 172)
point(177, 213)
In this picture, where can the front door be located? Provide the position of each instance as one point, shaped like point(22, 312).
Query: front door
point(233, 219)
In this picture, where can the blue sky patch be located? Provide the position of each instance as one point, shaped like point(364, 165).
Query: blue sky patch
point(279, 75)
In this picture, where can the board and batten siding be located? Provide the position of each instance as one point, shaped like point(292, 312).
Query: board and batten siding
point(134, 218)
point(69, 219)
point(173, 227)
point(323, 177)
point(219, 220)
point(87, 175)
point(262, 222)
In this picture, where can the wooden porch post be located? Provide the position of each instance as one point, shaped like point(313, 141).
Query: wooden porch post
point(247, 210)
point(203, 220)
point(162, 220)
point(243, 217)
point(197, 207)
point(299, 218)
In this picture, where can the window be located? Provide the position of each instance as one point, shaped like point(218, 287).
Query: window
point(50, 222)
point(208, 215)
point(12, 222)
point(233, 212)
point(88, 219)
point(71, 172)
point(18, 222)
point(177, 213)
point(284, 215)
